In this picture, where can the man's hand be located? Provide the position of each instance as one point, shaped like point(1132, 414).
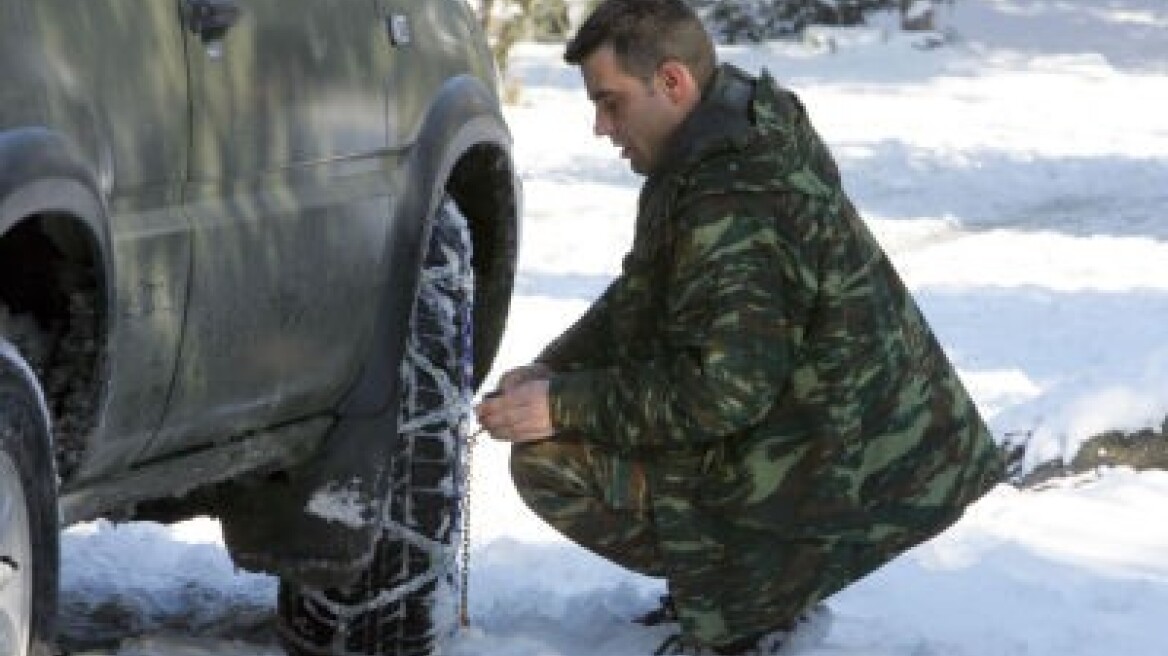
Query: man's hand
point(523, 374)
point(519, 413)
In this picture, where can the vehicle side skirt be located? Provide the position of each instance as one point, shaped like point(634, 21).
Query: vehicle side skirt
point(271, 450)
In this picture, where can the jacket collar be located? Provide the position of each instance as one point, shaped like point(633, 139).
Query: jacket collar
point(722, 118)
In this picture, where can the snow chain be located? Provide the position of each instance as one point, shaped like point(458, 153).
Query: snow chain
point(467, 365)
point(464, 574)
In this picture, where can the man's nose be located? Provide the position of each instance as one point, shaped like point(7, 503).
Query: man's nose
point(601, 126)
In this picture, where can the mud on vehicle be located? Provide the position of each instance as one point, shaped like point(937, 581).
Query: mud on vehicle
point(255, 257)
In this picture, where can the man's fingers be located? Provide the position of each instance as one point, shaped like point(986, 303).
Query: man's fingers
point(517, 425)
point(512, 378)
point(519, 414)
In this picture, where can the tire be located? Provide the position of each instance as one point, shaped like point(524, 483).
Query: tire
point(29, 533)
point(404, 604)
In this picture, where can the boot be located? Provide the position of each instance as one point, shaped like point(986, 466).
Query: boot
point(808, 630)
point(666, 613)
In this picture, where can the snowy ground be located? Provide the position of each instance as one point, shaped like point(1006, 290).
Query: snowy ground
point(1019, 178)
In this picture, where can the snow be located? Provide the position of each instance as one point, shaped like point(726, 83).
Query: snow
point(341, 504)
point(1017, 175)
point(919, 9)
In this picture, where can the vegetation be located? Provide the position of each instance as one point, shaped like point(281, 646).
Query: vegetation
point(507, 22)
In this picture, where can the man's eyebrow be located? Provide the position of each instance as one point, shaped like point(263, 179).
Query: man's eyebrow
point(600, 94)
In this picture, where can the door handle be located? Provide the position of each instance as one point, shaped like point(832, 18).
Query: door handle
point(210, 19)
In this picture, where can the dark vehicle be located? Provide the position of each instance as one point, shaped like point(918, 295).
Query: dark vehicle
point(255, 256)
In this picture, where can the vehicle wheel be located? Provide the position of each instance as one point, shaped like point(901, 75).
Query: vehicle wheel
point(405, 603)
point(28, 518)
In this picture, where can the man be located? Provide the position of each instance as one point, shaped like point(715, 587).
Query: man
point(755, 409)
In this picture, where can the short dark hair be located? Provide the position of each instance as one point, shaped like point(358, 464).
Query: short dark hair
point(643, 34)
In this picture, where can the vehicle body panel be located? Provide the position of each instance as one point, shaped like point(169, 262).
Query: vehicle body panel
point(289, 199)
point(443, 44)
point(21, 96)
point(125, 110)
point(256, 206)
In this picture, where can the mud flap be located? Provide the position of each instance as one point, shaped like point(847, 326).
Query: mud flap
point(317, 525)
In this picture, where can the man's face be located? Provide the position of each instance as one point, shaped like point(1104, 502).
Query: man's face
point(637, 116)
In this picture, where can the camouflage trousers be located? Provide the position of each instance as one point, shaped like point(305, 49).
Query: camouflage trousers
point(614, 507)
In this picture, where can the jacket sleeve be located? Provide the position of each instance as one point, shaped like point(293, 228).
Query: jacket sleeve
point(737, 303)
point(587, 341)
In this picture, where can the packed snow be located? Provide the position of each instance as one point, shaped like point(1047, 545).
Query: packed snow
point(1015, 166)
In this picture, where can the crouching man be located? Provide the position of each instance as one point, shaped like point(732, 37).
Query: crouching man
point(755, 409)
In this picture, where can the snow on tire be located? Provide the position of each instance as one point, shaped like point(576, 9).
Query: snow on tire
point(404, 604)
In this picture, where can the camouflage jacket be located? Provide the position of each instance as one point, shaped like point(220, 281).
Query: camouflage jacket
point(760, 352)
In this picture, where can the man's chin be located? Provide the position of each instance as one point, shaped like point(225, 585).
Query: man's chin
point(635, 163)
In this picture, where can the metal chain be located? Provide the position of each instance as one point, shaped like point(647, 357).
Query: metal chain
point(464, 601)
point(467, 362)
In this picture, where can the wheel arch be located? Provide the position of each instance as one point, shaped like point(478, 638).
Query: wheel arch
point(53, 247)
point(464, 150)
point(41, 172)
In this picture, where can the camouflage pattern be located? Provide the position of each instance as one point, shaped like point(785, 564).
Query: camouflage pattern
point(755, 408)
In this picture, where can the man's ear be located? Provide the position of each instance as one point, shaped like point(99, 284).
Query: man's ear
point(678, 82)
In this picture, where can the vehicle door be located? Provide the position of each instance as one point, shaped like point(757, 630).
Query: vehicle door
point(289, 192)
point(113, 77)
